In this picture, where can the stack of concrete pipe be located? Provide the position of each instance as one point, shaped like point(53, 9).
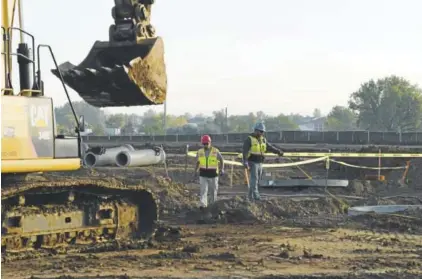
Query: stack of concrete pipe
point(108, 158)
point(138, 158)
point(125, 156)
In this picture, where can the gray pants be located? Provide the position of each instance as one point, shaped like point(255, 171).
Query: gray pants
point(255, 173)
point(208, 185)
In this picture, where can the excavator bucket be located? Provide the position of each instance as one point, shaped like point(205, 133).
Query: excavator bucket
point(120, 74)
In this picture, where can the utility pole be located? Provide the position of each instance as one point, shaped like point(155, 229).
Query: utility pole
point(226, 128)
point(165, 118)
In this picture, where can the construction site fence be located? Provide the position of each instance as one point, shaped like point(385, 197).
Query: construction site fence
point(296, 137)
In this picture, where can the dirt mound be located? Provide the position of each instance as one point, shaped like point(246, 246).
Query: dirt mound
point(240, 210)
point(313, 212)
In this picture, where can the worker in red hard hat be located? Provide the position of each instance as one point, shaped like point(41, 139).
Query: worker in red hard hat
point(210, 164)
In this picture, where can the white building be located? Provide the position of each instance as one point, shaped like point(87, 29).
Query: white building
point(316, 124)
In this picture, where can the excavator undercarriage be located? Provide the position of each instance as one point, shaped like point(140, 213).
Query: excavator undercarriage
point(62, 211)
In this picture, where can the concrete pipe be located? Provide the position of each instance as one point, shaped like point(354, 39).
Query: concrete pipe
point(108, 158)
point(138, 158)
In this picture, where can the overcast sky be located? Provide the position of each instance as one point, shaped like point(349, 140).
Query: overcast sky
point(278, 56)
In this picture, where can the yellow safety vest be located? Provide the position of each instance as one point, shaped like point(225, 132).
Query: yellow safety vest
point(258, 147)
point(210, 162)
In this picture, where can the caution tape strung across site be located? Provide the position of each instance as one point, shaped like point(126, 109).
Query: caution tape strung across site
point(330, 154)
point(229, 162)
point(369, 168)
point(349, 154)
point(322, 158)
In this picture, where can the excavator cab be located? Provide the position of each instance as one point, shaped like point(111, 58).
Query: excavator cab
point(127, 70)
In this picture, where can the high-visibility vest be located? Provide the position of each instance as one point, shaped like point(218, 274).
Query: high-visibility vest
point(210, 162)
point(258, 147)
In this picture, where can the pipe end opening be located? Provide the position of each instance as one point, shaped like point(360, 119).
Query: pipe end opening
point(122, 159)
point(90, 159)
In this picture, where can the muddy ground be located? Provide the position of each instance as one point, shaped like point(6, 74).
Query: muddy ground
point(291, 233)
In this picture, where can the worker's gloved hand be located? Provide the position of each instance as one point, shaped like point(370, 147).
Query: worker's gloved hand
point(221, 172)
point(280, 152)
point(246, 164)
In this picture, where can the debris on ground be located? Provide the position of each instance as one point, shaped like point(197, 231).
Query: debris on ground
point(307, 237)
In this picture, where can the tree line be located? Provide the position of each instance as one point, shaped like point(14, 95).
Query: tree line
point(388, 104)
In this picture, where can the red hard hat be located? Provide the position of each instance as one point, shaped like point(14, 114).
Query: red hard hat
point(205, 139)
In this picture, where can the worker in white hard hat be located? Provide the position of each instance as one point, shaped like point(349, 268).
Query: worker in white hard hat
point(254, 148)
point(210, 164)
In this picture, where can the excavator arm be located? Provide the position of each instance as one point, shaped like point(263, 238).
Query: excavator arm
point(126, 70)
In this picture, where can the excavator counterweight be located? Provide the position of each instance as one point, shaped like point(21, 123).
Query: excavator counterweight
point(129, 69)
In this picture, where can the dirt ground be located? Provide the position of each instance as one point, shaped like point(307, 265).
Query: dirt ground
point(289, 234)
point(242, 250)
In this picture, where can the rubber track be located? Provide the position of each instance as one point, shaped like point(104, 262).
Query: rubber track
point(14, 189)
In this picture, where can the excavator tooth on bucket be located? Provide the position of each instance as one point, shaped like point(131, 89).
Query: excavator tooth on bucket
point(120, 74)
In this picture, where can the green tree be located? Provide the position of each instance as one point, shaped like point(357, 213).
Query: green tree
point(128, 128)
point(174, 121)
point(220, 120)
point(241, 123)
point(153, 124)
point(341, 119)
point(116, 120)
point(64, 116)
point(299, 119)
point(62, 130)
point(280, 122)
point(317, 113)
point(388, 104)
point(98, 130)
point(261, 116)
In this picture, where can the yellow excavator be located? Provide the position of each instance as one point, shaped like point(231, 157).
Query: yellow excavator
point(45, 211)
